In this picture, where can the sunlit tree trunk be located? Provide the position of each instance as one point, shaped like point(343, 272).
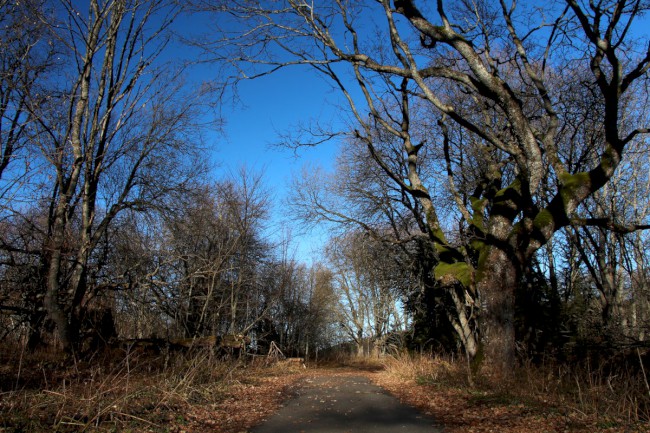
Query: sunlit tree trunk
point(497, 283)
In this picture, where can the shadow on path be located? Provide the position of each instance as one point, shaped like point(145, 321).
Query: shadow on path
point(333, 404)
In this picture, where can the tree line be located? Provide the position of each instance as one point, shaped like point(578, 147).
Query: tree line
point(111, 222)
point(490, 194)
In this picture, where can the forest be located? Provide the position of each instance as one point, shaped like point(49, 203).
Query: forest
point(489, 202)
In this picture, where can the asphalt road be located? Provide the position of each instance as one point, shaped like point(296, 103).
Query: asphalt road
point(338, 404)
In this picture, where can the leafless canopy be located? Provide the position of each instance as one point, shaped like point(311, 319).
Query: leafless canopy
point(499, 95)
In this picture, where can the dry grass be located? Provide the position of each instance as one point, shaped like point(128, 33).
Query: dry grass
point(134, 392)
point(184, 393)
point(537, 399)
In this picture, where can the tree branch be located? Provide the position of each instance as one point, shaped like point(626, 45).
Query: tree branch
point(609, 224)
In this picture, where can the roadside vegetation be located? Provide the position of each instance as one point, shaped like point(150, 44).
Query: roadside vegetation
point(611, 396)
point(136, 392)
point(200, 392)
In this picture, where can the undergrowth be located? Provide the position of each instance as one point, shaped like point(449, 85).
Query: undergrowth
point(123, 391)
point(133, 391)
point(610, 396)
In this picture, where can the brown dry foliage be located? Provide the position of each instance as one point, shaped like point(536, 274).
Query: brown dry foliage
point(185, 393)
point(201, 393)
point(537, 400)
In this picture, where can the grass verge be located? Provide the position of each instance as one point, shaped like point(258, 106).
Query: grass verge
point(186, 393)
point(537, 399)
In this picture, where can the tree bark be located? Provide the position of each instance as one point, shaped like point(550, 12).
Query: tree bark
point(51, 303)
point(462, 324)
point(497, 283)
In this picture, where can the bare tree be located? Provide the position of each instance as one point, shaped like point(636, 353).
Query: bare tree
point(22, 275)
point(217, 252)
point(368, 285)
point(358, 195)
point(322, 329)
point(300, 306)
point(26, 57)
point(120, 136)
point(610, 258)
point(493, 74)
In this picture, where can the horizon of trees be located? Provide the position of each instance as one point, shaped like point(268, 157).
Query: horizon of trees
point(484, 200)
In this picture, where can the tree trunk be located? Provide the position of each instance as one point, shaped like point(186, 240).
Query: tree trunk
point(498, 279)
point(462, 324)
point(359, 342)
point(51, 300)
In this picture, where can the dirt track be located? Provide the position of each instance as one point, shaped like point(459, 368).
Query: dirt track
point(332, 404)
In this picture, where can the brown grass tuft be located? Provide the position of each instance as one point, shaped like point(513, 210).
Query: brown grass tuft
point(537, 399)
point(195, 392)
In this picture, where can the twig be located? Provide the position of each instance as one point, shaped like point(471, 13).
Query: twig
point(20, 367)
point(645, 377)
point(107, 409)
point(137, 418)
point(73, 422)
point(47, 385)
point(582, 403)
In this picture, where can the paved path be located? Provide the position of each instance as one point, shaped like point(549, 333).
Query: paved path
point(342, 404)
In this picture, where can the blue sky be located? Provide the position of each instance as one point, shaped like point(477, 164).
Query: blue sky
point(265, 108)
point(268, 107)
